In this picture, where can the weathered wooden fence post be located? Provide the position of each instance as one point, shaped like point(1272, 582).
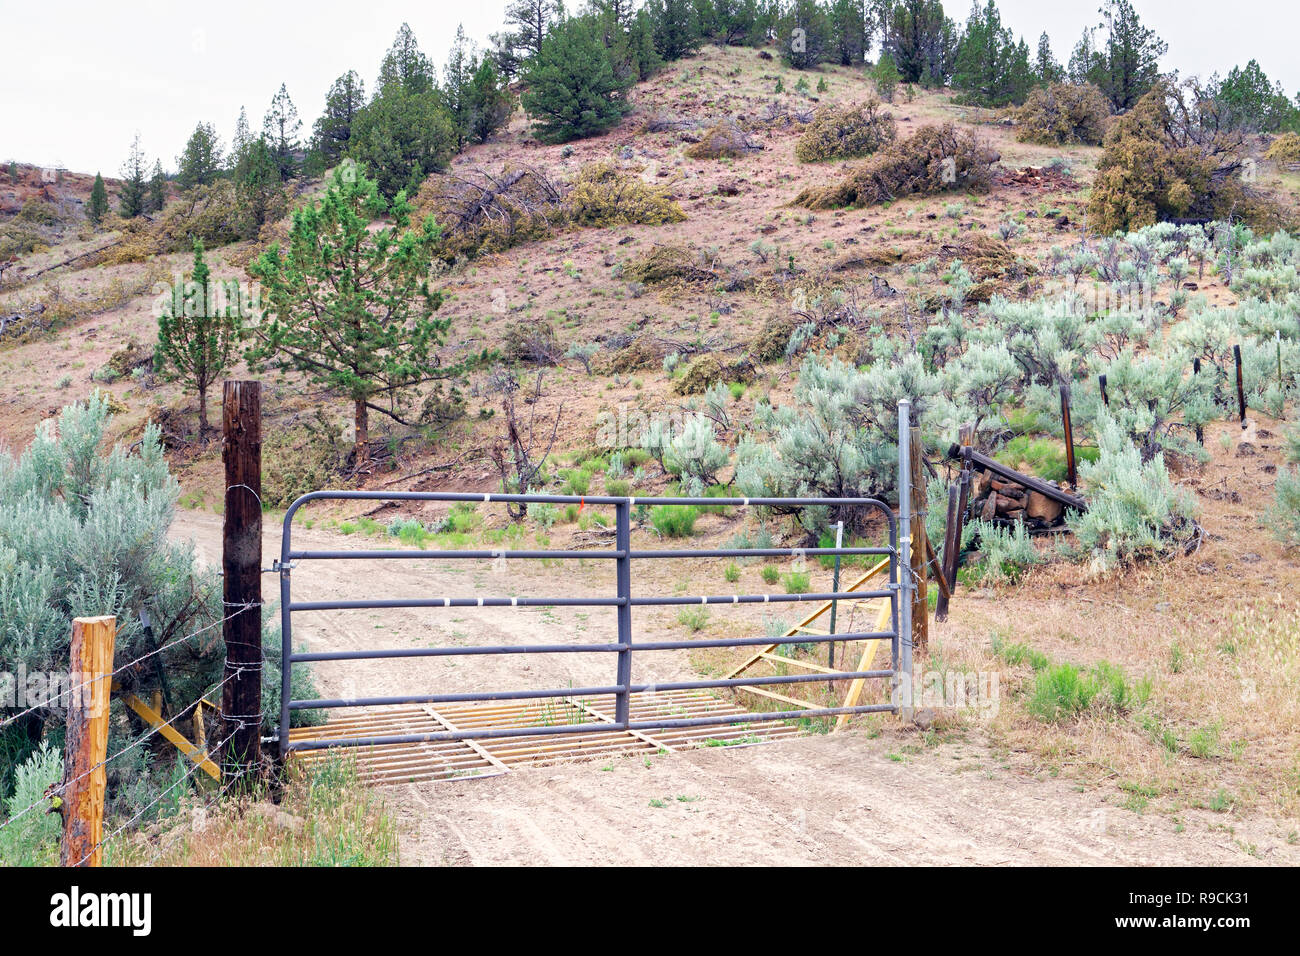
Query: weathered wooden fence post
point(1069, 436)
point(241, 559)
point(951, 542)
point(1200, 430)
point(1241, 385)
point(86, 747)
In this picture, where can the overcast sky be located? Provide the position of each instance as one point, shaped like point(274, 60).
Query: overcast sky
point(79, 77)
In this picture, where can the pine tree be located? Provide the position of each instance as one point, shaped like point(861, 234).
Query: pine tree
point(157, 197)
point(572, 89)
point(200, 164)
point(280, 129)
point(131, 198)
point(529, 22)
point(333, 130)
point(351, 307)
point(97, 208)
point(198, 333)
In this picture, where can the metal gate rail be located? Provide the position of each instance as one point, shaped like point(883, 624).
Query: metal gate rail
point(623, 601)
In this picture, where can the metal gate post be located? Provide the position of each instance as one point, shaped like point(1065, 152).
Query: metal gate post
point(286, 637)
point(623, 577)
point(903, 675)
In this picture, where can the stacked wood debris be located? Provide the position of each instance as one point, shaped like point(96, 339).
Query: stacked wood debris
point(994, 498)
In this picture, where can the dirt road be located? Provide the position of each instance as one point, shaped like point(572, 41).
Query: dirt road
point(842, 799)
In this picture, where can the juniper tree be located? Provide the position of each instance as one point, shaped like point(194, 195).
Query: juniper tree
point(1128, 65)
point(490, 102)
point(333, 130)
point(572, 89)
point(97, 207)
point(457, 81)
point(351, 307)
point(405, 132)
point(157, 195)
point(406, 66)
point(804, 35)
point(919, 37)
point(676, 28)
point(198, 333)
point(1046, 68)
point(531, 22)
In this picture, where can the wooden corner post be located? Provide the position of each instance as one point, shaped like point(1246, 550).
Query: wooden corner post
point(86, 747)
point(241, 560)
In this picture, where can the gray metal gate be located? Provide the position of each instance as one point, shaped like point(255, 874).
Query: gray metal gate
point(625, 645)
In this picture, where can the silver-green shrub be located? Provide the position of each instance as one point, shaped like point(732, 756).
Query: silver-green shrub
point(1134, 509)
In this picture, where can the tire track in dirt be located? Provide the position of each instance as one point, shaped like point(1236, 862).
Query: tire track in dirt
point(839, 799)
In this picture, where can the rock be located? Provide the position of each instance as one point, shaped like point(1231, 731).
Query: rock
point(990, 509)
point(1043, 508)
point(1163, 607)
point(1006, 506)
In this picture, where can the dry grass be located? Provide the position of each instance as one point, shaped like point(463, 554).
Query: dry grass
point(326, 817)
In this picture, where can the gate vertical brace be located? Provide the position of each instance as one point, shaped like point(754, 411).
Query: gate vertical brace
point(903, 630)
point(241, 558)
point(623, 576)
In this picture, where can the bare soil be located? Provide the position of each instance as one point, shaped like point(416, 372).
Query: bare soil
point(882, 792)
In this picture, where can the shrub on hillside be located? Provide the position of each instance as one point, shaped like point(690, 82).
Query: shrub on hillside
point(1285, 149)
point(1134, 509)
point(724, 141)
point(481, 211)
point(934, 159)
point(1063, 114)
point(1165, 159)
point(853, 129)
point(603, 195)
point(1285, 514)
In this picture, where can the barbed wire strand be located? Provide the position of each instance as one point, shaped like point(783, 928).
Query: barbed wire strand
point(129, 747)
point(144, 657)
point(189, 772)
